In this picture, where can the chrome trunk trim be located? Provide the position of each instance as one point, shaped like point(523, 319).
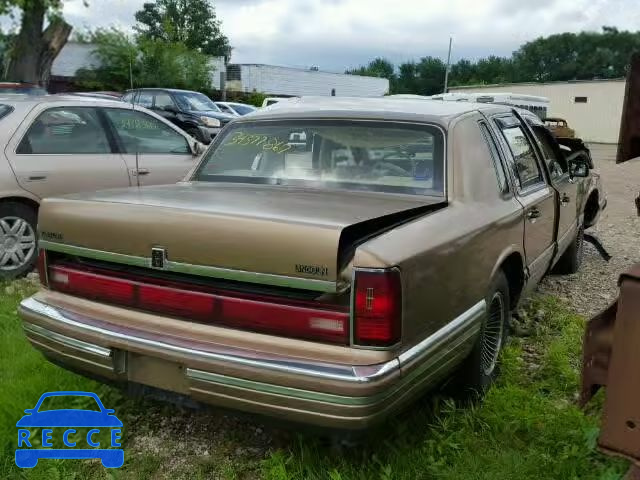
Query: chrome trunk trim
point(200, 270)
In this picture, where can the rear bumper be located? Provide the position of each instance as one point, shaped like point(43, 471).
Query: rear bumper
point(330, 395)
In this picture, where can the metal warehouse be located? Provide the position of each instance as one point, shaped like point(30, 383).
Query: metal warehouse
point(287, 81)
point(593, 107)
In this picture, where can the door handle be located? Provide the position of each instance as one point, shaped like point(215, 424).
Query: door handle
point(140, 172)
point(533, 213)
point(35, 178)
point(564, 201)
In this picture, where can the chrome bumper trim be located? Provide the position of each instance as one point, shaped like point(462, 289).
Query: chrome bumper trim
point(67, 341)
point(422, 362)
point(343, 373)
point(200, 270)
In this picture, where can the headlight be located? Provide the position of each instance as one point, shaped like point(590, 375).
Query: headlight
point(210, 122)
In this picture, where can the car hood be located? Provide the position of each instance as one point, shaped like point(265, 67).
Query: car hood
point(69, 418)
point(273, 230)
point(212, 114)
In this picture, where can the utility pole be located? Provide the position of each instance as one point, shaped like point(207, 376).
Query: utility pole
point(446, 73)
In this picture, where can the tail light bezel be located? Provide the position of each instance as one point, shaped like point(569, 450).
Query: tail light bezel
point(42, 266)
point(352, 302)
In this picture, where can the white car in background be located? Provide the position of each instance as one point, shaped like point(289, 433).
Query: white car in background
point(235, 108)
point(58, 144)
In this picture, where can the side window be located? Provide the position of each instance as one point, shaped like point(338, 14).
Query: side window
point(557, 164)
point(65, 130)
point(142, 133)
point(526, 167)
point(164, 100)
point(145, 99)
point(128, 98)
point(503, 186)
point(224, 108)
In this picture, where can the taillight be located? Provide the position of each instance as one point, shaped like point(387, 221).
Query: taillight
point(330, 323)
point(42, 267)
point(377, 308)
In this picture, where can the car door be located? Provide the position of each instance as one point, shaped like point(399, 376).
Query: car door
point(164, 106)
point(536, 196)
point(65, 149)
point(154, 151)
point(569, 190)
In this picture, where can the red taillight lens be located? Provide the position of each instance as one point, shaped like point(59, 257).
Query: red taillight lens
point(330, 323)
point(378, 308)
point(42, 267)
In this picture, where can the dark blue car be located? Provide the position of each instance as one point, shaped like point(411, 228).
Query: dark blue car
point(68, 418)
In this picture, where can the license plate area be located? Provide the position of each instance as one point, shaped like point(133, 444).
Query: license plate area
point(156, 372)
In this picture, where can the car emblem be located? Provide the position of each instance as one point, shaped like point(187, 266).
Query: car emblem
point(158, 257)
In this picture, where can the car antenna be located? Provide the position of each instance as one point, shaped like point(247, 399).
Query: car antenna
point(133, 109)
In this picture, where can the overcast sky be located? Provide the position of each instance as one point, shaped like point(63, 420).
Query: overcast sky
point(337, 34)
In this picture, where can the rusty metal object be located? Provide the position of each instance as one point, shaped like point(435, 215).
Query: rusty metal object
point(611, 358)
point(629, 140)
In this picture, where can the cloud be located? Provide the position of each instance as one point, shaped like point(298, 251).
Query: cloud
point(338, 34)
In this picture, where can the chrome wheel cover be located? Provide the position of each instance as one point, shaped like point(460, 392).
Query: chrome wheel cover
point(17, 243)
point(493, 333)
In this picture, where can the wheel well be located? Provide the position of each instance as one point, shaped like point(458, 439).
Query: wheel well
point(513, 269)
point(591, 207)
point(25, 201)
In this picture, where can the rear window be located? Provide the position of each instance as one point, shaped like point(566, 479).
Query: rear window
point(330, 154)
point(5, 110)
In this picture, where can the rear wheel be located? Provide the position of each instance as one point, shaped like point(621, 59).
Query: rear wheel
point(571, 259)
point(481, 368)
point(18, 246)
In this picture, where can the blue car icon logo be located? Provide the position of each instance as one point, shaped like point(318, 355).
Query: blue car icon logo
point(67, 420)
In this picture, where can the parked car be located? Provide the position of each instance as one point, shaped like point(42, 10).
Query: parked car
point(106, 95)
point(272, 101)
point(21, 88)
point(237, 109)
point(559, 127)
point(63, 144)
point(193, 112)
point(282, 281)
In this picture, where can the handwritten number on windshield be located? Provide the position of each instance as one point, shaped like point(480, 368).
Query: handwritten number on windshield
point(267, 143)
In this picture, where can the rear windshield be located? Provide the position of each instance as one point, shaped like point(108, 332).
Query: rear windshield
point(5, 110)
point(353, 155)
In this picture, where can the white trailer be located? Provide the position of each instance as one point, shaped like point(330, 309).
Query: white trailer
point(286, 81)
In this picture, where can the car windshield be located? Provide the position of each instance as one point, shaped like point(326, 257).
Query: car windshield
point(353, 155)
point(66, 402)
point(243, 109)
point(195, 101)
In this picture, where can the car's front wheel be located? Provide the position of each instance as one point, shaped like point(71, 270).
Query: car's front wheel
point(482, 365)
point(18, 245)
point(571, 259)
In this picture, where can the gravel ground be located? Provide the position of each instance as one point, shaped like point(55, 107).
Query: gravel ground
point(594, 287)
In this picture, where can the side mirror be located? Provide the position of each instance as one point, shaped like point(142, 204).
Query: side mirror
point(578, 167)
point(197, 148)
point(29, 410)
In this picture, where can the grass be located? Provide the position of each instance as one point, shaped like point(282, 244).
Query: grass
point(528, 427)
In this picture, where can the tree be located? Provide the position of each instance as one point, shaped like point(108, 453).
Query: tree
point(35, 47)
point(192, 23)
point(119, 59)
point(379, 67)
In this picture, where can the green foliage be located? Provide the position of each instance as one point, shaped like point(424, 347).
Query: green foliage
point(152, 63)
point(189, 22)
point(565, 56)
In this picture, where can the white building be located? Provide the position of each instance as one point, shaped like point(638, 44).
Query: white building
point(287, 81)
point(593, 108)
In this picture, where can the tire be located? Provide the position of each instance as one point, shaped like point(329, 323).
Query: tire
point(18, 242)
point(571, 259)
point(482, 366)
point(198, 135)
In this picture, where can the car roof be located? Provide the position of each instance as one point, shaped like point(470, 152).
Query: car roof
point(173, 90)
point(27, 100)
point(375, 108)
